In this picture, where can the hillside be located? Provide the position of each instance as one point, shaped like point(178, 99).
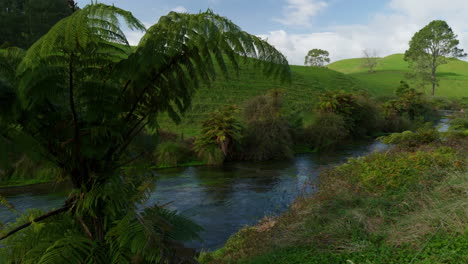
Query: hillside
point(299, 96)
point(392, 69)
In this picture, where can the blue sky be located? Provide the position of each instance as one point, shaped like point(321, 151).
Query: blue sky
point(344, 27)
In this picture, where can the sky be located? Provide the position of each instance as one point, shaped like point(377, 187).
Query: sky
point(343, 27)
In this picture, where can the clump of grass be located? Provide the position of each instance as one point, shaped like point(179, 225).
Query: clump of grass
point(172, 153)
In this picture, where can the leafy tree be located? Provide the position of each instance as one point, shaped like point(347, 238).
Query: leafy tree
point(22, 22)
point(79, 98)
point(317, 57)
point(430, 47)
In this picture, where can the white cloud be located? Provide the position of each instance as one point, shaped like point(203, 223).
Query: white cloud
point(134, 37)
point(387, 33)
point(300, 12)
point(179, 9)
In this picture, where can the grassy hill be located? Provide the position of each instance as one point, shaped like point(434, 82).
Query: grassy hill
point(392, 69)
point(299, 96)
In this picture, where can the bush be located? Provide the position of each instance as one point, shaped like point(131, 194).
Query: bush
point(327, 131)
point(442, 103)
point(394, 171)
point(396, 123)
point(361, 114)
point(268, 134)
point(408, 139)
point(268, 140)
point(211, 154)
point(221, 130)
point(460, 123)
point(410, 104)
point(367, 116)
point(172, 153)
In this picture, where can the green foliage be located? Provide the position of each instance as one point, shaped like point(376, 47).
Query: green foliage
point(448, 103)
point(408, 139)
point(298, 98)
point(222, 130)
point(430, 47)
point(453, 77)
point(442, 249)
point(149, 236)
point(327, 131)
point(360, 114)
point(381, 172)
point(172, 153)
point(24, 21)
point(392, 207)
point(267, 132)
point(460, 123)
point(317, 57)
point(211, 154)
point(82, 95)
point(409, 105)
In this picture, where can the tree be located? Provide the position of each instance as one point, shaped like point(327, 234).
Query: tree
point(22, 22)
point(79, 98)
point(430, 47)
point(317, 57)
point(220, 133)
point(370, 60)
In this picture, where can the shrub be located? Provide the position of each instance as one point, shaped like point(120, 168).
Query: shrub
point(221, 130)
point(268, 133)
point(268, 140)
point(171, 153)
point(327, 131)
point(211, 154)
point(460, 123)
point(360, 113)
point(395, 123)
point(409, 103)
point(367, 117)
point(394, 171)
point(408, 139)
point(443, 103)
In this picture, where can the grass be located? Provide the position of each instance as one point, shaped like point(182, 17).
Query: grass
point(359, 217)
point(392, 69)
point(299, 96)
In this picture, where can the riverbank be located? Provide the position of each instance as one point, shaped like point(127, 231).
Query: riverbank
point(407, 205)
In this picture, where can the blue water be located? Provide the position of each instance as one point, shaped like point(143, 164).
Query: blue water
point(220, 199)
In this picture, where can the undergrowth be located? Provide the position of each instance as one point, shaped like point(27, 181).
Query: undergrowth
point(407, 205)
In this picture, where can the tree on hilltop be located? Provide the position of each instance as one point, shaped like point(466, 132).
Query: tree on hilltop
point(317, 57)
point(370, 60)
point(430, 47)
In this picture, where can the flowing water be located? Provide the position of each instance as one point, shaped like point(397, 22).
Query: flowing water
point(220, 199)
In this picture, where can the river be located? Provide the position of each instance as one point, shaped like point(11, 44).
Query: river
point(220, 199)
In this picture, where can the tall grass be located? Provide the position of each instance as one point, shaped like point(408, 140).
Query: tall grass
point(401, 206)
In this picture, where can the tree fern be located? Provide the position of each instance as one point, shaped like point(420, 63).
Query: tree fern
point(79, 98)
